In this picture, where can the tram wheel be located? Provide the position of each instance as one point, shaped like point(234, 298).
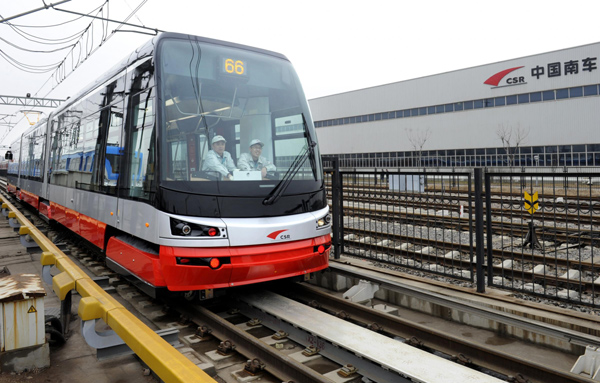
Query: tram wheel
point(191, 295)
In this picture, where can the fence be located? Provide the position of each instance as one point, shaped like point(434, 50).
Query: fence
point(543, 234)
point(530, 232)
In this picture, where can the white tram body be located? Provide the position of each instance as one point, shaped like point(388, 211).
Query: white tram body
point(125, 165)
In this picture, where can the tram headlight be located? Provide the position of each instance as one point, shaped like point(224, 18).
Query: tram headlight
point(186, 229)
point(324, 221)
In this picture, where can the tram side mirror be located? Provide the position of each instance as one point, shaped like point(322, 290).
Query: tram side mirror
point(8, 155)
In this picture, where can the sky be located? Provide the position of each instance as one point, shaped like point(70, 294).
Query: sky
point(335, 46)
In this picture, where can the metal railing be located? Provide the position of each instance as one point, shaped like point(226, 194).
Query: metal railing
point(528, 231)
point(552, 246)
point(393, 217)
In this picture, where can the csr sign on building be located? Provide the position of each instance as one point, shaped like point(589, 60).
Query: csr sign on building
point(554, 69)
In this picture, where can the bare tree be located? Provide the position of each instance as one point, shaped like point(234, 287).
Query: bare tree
point(511, 138)
point(417, 139)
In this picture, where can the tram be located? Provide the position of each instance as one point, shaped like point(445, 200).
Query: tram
point(124, 164)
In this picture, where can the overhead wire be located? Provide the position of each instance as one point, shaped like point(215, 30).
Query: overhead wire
point(34, 51)
point(27, 67)
point(57, 75)
point(54, 25)
point(39, 69)
point(30, 37)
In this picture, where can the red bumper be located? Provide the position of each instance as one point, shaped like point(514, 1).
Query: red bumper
point(239, 265)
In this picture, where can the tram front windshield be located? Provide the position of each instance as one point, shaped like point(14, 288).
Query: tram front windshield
point(233, 122)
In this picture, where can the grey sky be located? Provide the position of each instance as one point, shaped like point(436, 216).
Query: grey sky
point(336, 46)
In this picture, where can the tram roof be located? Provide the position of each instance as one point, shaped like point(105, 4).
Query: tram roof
point(147, 50)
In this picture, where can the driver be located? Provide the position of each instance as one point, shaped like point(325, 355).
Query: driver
point(219, 160)
point(254, 160)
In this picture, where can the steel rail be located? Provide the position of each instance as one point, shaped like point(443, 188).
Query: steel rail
point(422, 203)
point(557, 281)
point(277, 364)
point(448, 343)
point(497, 253)
point(563, 234)
point(386, 280)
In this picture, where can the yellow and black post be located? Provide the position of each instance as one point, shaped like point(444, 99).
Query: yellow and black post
point(531, 204)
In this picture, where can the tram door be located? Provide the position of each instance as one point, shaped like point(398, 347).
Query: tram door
point(108, 152)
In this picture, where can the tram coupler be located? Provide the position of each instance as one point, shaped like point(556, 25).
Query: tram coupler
point(531, 238)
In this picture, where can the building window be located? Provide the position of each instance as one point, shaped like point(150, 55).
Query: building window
point(548, 95)
point(590, 90)
point(562, 93)
point(523, 98)
point(576, 92)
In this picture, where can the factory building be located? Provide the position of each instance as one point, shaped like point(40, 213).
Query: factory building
point(540, 110)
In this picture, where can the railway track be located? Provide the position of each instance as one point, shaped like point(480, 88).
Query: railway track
point(241, 337)
point(563, 212)
point(462, 194)
point(447, 220)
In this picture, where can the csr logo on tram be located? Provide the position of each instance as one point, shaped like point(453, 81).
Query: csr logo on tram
point(496, 79)
point(277, 235)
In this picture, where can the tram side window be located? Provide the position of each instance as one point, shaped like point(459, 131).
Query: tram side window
point(13, 167)
point(28, 155)
point(58, 159)
point(114, 148)
point(91, 150)
point(38, 154)
point(142, 146)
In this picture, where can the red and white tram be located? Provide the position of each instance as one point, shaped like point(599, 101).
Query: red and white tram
point(124, 164)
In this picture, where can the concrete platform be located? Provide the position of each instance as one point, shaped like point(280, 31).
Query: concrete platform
point(75, 361)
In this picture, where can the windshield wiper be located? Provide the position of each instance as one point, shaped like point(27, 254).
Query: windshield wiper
point(308, 151)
